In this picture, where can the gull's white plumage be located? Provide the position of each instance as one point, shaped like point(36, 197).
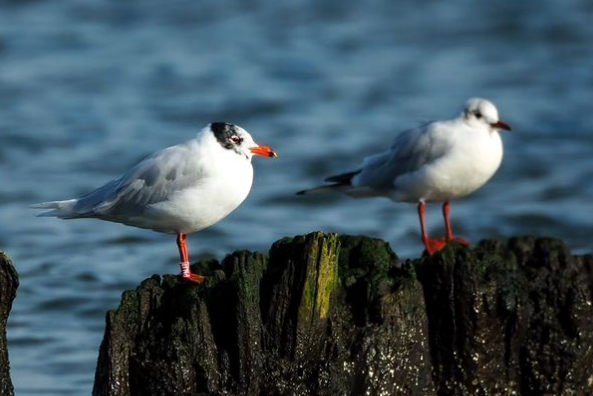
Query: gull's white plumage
point(181, 189)
point(438, 161)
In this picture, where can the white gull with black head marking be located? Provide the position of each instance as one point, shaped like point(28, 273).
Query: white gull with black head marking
point(181, 189)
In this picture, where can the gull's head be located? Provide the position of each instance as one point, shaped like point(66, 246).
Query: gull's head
point(482, 113)
point(237, 139)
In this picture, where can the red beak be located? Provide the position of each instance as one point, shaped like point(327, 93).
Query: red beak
point(501, 125)
point(264, 151)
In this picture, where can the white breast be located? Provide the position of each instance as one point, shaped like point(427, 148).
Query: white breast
point(225, 183)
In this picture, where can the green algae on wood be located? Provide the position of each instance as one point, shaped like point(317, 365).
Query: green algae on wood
point(322, 275)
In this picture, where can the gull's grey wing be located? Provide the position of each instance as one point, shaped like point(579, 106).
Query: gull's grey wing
point(410, 150)
point(149, 182)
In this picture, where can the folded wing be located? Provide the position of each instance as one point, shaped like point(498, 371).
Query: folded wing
point(151, 181)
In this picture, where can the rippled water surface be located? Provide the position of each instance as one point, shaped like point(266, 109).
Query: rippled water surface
point(88, 88)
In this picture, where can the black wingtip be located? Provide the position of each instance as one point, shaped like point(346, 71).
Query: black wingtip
point(302, 192)
point(344, 178)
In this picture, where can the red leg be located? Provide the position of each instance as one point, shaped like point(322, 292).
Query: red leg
point(449, 236)
point(431, 245)
point(184, 257)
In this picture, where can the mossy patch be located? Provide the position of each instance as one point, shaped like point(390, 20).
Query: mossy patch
point(322, 275)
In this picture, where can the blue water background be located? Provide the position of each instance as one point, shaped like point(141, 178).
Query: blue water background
point(87, 88)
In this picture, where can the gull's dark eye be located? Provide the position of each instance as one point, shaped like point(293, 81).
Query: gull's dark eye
point(236, 139)
point(478, 115)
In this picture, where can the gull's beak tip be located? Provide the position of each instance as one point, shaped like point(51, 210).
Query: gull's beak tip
point(501, 125)
point(264, 151)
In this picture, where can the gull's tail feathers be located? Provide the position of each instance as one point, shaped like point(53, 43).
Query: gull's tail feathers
point(342, 183)
point(61, 209)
